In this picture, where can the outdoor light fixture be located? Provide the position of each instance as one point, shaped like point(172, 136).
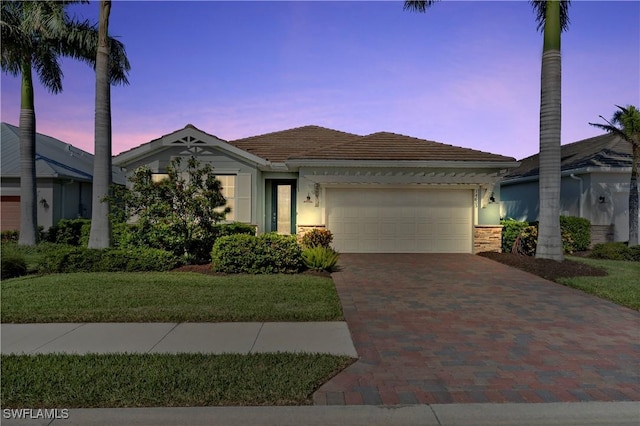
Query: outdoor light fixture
point(492, 199)
point(601, 200)
point(308, 200)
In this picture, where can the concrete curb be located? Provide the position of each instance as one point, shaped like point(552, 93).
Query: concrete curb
point(566, 414)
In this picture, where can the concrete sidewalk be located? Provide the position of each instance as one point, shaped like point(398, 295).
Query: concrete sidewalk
point(565, 414)
point(214, 338)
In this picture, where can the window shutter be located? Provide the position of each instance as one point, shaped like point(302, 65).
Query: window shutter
point(243, 198)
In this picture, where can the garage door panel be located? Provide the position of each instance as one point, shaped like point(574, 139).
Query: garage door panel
point(400, 220)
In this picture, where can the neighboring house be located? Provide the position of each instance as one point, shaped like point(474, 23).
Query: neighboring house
point(64, 177)
point(378, 193)
point(595, 186)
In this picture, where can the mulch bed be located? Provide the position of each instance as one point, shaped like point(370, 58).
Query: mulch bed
point(545, 268)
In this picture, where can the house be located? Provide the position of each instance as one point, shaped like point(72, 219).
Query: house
point(594, 185)
point(382, 192)
point(64, 177)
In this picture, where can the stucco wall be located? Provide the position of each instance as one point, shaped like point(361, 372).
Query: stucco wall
point(604, 200)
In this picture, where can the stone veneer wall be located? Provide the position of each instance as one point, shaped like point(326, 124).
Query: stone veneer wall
point(487, 238)
point(601, 234)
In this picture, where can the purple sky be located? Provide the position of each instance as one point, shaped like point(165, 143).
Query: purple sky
point(464, 73)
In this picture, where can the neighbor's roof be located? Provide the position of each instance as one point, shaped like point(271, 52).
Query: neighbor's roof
point(319, 143)
point(604, 151)
point(54, 158)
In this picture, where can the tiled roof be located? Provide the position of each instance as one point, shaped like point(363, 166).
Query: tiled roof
point(608, 150)
point(286, 144)
point(314, 142)
point(392, 146)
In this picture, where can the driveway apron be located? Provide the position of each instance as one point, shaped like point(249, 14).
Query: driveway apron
point(458, 328)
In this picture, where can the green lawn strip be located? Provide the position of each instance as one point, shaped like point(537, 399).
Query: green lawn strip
point(168, 297)
point(621, 285)
point(159, 380)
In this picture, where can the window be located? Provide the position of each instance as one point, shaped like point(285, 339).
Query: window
point(157, 177)
point(229, 192)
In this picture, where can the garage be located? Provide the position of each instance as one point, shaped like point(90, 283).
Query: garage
point(10, 212)
point(400, 220)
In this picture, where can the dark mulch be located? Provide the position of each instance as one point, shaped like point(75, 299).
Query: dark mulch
point(545, 268)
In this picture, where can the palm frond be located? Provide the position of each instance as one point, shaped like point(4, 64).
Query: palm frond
point(47, 67)
point(540, 8)
point(624, 123)
point(418, 5)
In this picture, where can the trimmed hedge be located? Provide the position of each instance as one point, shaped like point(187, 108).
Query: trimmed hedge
point(576, 235)
point(264, 254)
point(13, 263)
point(81, 259)
point(69, 231)
point(511, 228)
point(616, 251)
point(579, 229)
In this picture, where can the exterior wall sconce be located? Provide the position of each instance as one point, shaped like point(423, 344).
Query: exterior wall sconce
point(308, 200)
point(44, 203)
point(602, 200)
point(492, 198)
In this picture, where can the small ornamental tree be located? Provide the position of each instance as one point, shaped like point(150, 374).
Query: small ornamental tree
point(177, 213)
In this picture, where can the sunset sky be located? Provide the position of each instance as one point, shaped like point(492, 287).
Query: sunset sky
point(464, 73)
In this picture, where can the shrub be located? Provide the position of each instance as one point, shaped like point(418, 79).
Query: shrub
point(511, 228)
point(82, 259)
point(616, 251)
point(13, 263)
point(9, 236)
point(527, 241)
point(579, 230)
point(317, 237)
point(320, 258)
point(233, 228)
point(69, 231)
point(264, 254)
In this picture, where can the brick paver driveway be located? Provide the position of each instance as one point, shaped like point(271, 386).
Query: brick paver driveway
point(440, 328)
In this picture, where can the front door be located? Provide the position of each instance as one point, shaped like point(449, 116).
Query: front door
point(283, 205)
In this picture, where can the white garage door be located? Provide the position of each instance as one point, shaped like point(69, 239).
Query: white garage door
point(398, 220)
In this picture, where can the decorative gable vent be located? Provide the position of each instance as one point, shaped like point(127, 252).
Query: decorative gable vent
point(188, 140)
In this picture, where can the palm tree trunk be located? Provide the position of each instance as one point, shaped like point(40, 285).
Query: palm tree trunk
point(28, 191)
point(634, 208)
point(100, 235)
point(549, 235)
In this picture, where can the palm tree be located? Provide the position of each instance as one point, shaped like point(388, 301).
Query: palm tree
point(100, 235)
point(626, 124)
point(35, 34)
point(553, 18)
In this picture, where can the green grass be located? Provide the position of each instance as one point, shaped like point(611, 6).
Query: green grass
point(621, 285)
point(168, 297)
point(145, 380)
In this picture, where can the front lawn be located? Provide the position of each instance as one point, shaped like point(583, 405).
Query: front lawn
point(168, 297)
point(153, 380)
point(621, 285)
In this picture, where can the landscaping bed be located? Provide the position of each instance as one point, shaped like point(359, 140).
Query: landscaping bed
point(546, 268)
